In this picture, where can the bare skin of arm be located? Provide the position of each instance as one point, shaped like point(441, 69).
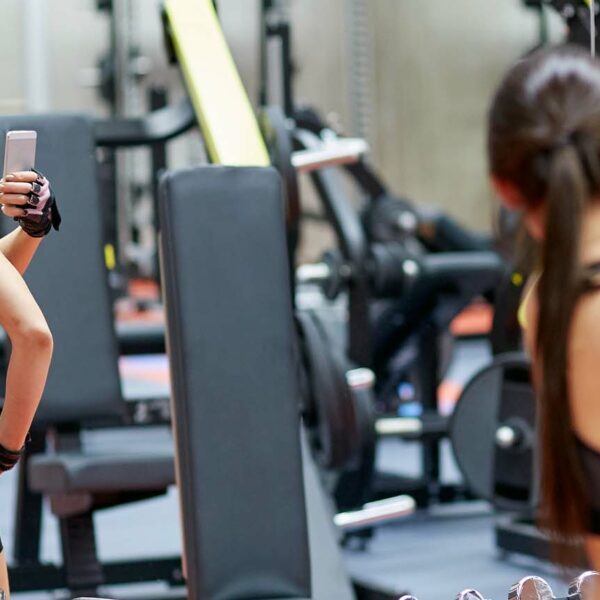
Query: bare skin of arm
point(22, 319)
point(25, 325)
point(18, 247)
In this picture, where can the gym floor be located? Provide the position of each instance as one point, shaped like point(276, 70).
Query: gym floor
point(454, 541)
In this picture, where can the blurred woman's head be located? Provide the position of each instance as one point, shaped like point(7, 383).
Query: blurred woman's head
point(544, 160)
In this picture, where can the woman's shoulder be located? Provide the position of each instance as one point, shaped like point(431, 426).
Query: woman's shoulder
point(528, 312)
point(584, 368)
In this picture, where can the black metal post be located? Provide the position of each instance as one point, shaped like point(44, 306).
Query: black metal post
point(158, 99)
point(287, 67)
point(28, 516)
point(428, 369)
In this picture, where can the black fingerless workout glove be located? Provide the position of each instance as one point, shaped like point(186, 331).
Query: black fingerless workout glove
point(42, 211)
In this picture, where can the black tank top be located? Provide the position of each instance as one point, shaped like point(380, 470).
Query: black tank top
point(590, 461)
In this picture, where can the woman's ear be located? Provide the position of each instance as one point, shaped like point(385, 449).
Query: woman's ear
point(508, 193)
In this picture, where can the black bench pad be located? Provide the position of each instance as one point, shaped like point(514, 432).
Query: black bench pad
point(129, 460)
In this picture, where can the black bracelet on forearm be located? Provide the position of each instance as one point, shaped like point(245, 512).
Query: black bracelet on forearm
point(9, 458)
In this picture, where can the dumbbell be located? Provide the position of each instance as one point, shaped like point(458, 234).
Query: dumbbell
point(464, 595)
point(585, 587)
point(469, 595)
point(531, 588)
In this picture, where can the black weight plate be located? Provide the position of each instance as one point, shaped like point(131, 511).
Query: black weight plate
point(330, 409)
point(354, 485)
point(499, 394)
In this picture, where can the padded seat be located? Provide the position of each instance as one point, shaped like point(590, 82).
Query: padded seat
point(73, 460)
point(130, 460)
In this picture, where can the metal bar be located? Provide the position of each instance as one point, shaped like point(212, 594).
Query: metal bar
point(24, 578)
point(376, 513)
point(157, 127)
point(287, 67)
point(263, 93)
point(36, 577)
point(398, 426)
point(158, 99)
point(342, 151)
point(28, 515)
point(593, 26)
point(428, 378)
point(317, 273)
point(353, 243)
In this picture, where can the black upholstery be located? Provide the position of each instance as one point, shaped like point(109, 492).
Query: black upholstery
point(69, 280)
point(127, 460)
point(68, 276)
point(235, 393)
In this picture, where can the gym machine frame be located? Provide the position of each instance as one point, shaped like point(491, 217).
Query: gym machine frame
point(155, 129)
point(356, 240)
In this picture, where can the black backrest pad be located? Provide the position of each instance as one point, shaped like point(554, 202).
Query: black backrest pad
point(68, 276)
point(235, 391)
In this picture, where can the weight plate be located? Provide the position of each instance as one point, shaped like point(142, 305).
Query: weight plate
point(330, 409)
point(354, 485)
point(531, 588)
point(492, 433)
point(587, 585)
point(469, 595)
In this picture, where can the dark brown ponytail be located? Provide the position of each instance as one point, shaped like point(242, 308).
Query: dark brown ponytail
point(544, 139)
point(565, 503)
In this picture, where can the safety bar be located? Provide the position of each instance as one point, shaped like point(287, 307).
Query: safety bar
point(376, 513)
point(437, 270)
point(317, 273)
point(332, 153)
point(434, 426)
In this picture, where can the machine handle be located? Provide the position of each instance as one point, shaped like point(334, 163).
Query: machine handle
point(376, 513)
point(332, 153)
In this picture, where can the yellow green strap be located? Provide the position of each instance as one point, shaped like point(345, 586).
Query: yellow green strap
point(224, 112)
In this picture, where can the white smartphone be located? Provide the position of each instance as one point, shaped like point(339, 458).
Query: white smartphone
point(19, 151)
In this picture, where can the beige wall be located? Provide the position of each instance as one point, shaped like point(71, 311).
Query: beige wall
point(435, 63)
point(11, 51)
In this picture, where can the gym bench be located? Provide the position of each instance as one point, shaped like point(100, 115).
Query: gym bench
point(80, 470)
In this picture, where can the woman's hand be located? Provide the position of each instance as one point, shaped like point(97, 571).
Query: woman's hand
point(27, 197)
point(15, 190)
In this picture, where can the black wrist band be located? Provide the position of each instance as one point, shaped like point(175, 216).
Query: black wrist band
point(9, 458)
